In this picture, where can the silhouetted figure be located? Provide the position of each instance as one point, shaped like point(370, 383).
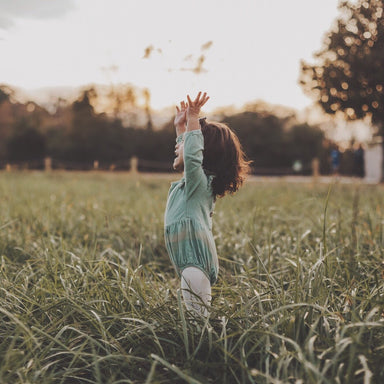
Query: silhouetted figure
point(358, 158)
point(335, 160)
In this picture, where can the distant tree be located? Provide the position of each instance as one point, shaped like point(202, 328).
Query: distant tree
point(5, 93)
point(154, 145)
point(274, 143)
point(305, 142)
point(121, 99)
point(58, 143)
point(147, 99)
point(94, 136)
point(26, 143)
point(83, 106)
point(261, 136)
point(83, 122)
point(348, 74)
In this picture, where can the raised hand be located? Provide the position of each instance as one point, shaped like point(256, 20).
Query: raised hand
point(194, 106)
point(181, 115)
point(193, 110)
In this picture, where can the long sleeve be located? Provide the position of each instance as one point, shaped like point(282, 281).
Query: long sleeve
point(193, 160)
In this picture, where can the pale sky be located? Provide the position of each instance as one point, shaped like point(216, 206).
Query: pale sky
point(252, 48)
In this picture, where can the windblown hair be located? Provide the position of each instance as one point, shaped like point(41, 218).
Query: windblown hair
point(223, 157)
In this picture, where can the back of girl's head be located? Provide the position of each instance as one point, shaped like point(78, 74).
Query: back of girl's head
point(223, 157)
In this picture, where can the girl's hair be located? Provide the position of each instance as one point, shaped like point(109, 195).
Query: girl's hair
point(223, 156)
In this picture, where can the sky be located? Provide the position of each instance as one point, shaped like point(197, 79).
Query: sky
point(238, 51)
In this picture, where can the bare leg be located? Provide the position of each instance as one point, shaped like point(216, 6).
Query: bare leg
point(196, 289)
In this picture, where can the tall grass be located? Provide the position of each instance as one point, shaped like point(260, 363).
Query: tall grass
point(88, 294)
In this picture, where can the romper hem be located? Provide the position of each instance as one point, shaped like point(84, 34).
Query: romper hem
point(190, 244)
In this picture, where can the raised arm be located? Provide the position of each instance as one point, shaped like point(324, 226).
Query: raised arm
point(194, 146)
point(181, 118)
point(193, 111)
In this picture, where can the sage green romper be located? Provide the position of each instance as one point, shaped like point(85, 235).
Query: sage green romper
point(188, 215)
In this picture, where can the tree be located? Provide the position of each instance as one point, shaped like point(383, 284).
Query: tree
point(304, 142)
point(348, 75)
point(83, 123)
point(5, 93)
point(147, 98)
point(121, 99)
point(27, 143)
point(92, 136)
point(274, 143)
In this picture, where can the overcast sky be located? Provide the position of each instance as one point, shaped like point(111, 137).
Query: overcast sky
point(236, 50)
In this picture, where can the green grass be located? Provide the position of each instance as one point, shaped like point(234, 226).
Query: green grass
point(88, 294)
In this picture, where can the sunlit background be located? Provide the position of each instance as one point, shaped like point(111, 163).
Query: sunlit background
point(237, 50)
point(77, 73)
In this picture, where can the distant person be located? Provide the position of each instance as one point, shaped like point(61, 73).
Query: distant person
point(335, 160)
point(358, 158)
point(214, 164)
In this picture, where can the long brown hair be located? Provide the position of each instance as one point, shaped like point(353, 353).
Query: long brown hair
point(223, 157)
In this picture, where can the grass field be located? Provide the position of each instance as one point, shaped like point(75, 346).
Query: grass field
point(88, 294)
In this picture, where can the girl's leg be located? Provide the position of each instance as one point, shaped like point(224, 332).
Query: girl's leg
point(196, 289)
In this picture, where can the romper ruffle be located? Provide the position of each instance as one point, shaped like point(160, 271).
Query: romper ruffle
point(191, 244)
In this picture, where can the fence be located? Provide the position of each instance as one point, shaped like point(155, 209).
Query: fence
point(48, 164)
point(136, 165)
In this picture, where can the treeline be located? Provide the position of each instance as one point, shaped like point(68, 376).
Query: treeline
point(75, 136)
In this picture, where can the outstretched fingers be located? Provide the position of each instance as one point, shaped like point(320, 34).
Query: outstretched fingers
point(195, 102)
point(183, 106)
point(199, 101)
point(204, 99)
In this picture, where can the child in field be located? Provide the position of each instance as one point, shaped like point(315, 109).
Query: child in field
point(214, 164)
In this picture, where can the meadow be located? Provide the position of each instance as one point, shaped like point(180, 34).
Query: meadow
point(88, 295)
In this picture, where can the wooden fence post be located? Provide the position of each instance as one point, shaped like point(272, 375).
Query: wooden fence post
point(315, 169)
point(48, 164)
point(134, 165)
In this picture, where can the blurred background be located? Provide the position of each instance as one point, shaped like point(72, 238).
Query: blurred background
point(93, 84)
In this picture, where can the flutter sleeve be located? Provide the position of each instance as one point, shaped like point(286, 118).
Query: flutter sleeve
point(193, 160)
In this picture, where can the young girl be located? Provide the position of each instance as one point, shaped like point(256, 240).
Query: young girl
point(214, 164)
